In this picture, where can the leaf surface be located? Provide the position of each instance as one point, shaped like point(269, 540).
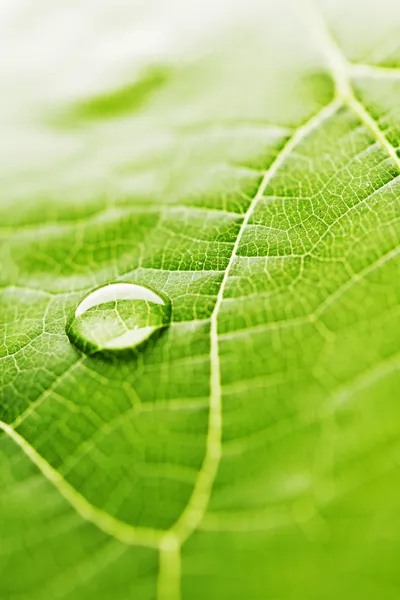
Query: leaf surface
point(243, 162)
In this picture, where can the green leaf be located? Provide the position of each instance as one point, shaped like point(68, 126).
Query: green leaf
point(241, 160)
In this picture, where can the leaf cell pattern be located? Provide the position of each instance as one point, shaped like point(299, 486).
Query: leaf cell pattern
point(251, 451)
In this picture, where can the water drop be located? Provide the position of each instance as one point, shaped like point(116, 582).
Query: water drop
point(117, 316)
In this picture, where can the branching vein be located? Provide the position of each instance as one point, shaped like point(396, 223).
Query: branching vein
point(169, 543)
point(125, 533)
point(195, 510)
point(340, 69)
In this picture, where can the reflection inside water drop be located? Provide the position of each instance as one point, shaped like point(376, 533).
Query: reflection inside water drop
point(117, 316)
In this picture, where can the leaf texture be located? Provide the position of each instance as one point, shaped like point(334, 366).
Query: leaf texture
point(244, 162)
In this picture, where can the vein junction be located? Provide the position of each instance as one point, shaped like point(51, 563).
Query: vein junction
point(169, 542)
point(197, 506)
point(340, 69)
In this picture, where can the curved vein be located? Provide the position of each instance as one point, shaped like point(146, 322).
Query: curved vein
point(123, 532)
point(340, 68)
point(170, 542)
point(365, 70)
point(196, 508)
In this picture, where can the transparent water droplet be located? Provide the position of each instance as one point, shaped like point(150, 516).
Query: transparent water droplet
point(117, 316)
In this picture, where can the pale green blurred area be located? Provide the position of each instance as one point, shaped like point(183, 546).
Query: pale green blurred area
point(189, 56)
point(194, 64)
point(134, 137)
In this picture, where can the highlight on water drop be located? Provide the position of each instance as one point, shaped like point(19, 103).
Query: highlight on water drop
point(116, 317)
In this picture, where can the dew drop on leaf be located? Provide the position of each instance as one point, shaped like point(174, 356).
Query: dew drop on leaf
point(117, 316)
